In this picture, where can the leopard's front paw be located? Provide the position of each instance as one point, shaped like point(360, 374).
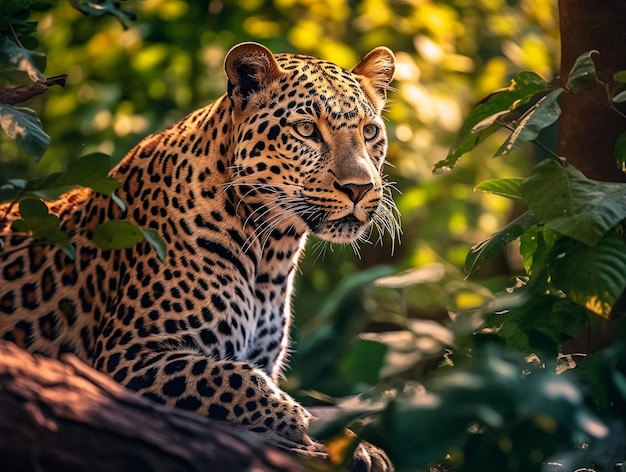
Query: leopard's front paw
point(369, 458)
point(291, 432)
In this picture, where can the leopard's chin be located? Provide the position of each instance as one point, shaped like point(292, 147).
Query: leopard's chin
point(343, 230)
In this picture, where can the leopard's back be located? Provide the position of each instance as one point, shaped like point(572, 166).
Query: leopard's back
point(41, 297)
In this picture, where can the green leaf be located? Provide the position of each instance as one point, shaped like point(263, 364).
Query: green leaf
point(68, 249)
point(322, 341)
point(499, 392)
point(491, 392)
point(583, 76)
point(535, 245)
point(11, 7)
point(620, 151)
point(89, 171)
point(117, 234)
point(620, 97)
point(33, 208)
point(9, 193)
point(541, 324)
point(103, 7)
point(122, 234)
point(364, 361)
point(119, 202)
point(154, 238)
point(350, 411)
point(490, 120)
point(412, 448)
point(498, 241)
point(619, 380)
point(562, 198)
point(43, 188)
point(541, 115)
point(509, 188)
point(620, 76)
point(23, 126)
point(593, 277)
point(42, 226)
point(14, 57)
point(476, 127)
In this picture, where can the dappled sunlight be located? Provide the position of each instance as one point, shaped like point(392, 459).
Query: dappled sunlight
point(530, 54)
point(150, 57)
point(48, 383)
point(407, 348)
point(406, 68)
point(449, 340)
point(131, 40)
point(592, 426)
point(429, 49)
point(599, 305)
point(261, 27)
point(125, 125)
point(431, 273)
point(305, 34)
point(102, 120)
point(557, 389)
point(83, 396)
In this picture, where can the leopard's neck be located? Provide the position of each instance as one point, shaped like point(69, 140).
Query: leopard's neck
point(184, 174)
point(198, 177)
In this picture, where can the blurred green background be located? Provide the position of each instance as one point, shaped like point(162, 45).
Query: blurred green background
point(124, 83)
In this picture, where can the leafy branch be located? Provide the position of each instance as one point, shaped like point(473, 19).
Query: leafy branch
point(37, 222)
point(22, 93)
point(577, 217)
point(479, 414)
point(22, 125)
point(486, 401)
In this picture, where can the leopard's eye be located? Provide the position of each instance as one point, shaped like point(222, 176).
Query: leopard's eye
point(370, 132)
point(306, 129)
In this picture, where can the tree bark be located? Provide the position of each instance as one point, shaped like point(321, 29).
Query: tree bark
point(588, 128)
point(65, 416)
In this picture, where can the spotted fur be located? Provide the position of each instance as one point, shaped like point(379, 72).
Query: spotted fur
point(294, 148)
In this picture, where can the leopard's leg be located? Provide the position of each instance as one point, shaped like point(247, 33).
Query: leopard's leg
point(224, 390)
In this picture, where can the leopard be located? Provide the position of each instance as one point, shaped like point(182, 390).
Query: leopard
point(294, 148)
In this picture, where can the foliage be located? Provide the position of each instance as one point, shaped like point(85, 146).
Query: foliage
point(481, 415)
point(486, 406)
point(124, 84)
point(483, 408)
point(103, 7)
point(23, 126)
point(482, 122)
point(573, 244)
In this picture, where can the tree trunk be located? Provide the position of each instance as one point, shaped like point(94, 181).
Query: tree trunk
point(65, 416)
point(588, 128)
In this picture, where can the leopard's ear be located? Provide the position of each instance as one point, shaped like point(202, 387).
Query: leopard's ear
point(248, 66)
point(377, 67)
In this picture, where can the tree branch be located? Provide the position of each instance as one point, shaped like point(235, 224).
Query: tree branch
point(22, 93)
point(65, 416)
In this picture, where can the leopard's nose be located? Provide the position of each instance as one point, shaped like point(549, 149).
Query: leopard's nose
point(355, 192)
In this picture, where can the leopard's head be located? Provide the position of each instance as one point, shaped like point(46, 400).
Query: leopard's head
point(310, 142)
